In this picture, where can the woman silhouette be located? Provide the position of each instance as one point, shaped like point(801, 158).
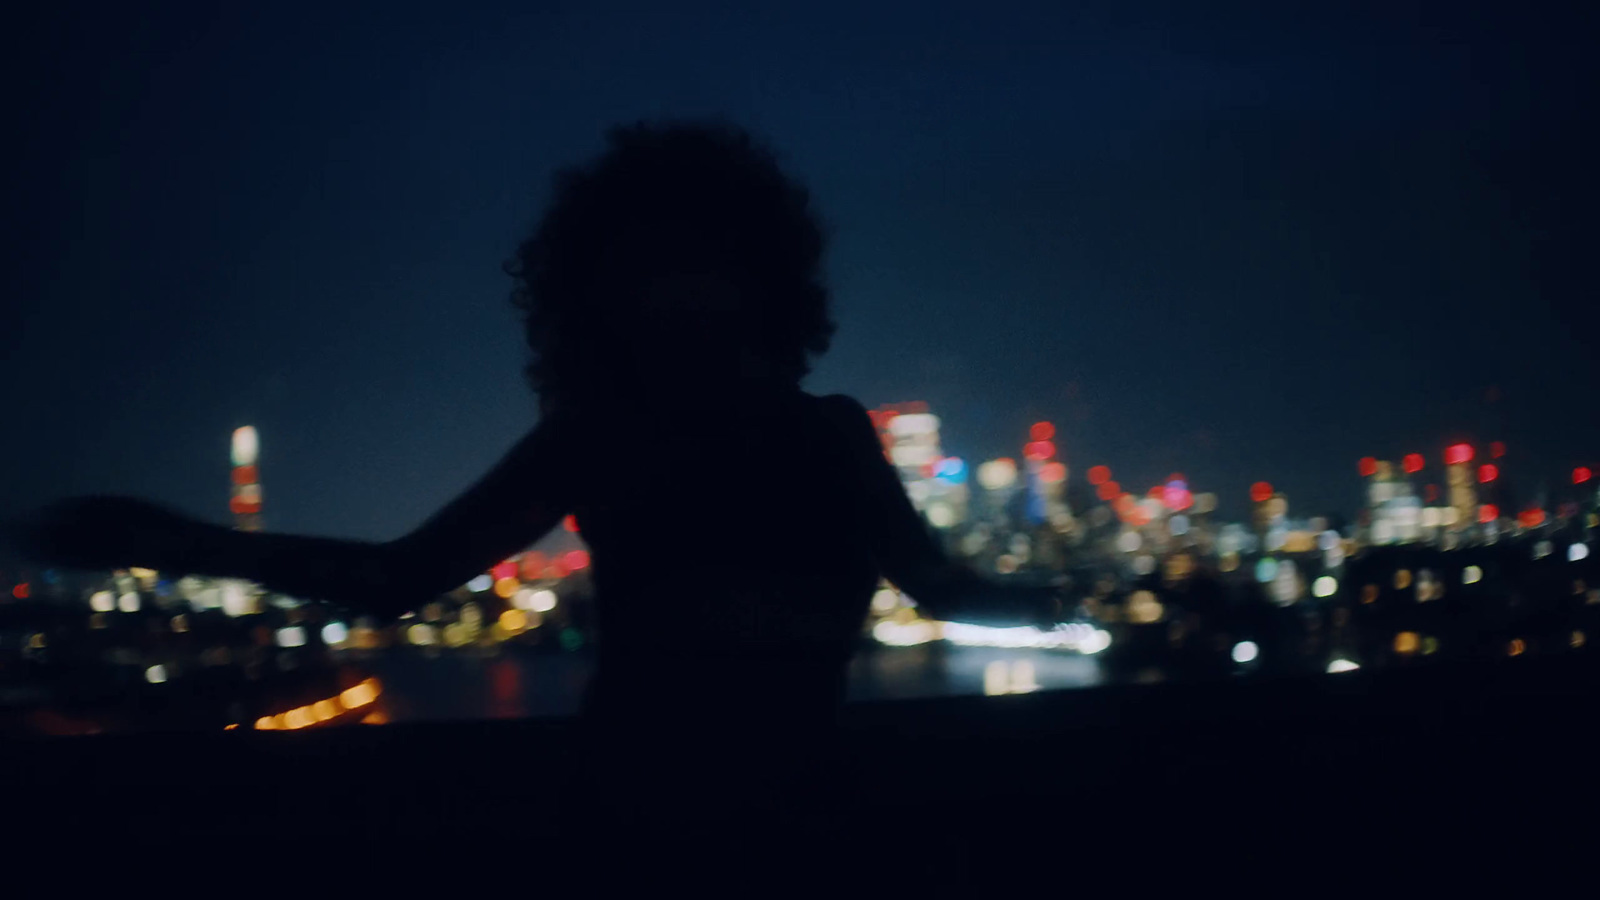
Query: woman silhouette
point(738, 526)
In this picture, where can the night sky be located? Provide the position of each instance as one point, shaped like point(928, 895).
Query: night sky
point(1246, 246)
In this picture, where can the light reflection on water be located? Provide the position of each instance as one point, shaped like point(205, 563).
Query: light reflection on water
point(459, 687)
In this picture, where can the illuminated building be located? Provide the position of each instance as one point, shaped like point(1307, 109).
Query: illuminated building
point(937, 485)
point(246, 501)
point(1461, 480)
point(1395, 510)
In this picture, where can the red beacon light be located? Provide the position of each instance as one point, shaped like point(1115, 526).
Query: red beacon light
point(1581, 474)
point(1368, 467)
point(1041, 431)
point(1412, 463)
point(1261, 492)
point(1488, 513)
point(1488, 472)
point(1099, 475)
point(1458, 454)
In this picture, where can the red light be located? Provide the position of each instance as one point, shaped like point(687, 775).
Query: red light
point(1099, 474)
point(576, 559)
point(1109, 491)
point(1412, 463)
point(507, 569)
point(1051, 473)
point(556, 570)
point(1177, 499)
point(1041, 431)
point(1039, 450)
point(1488, 472)
point(533, 566)
point(1175, 476)
point(1581, 474)
point(1432, 493)
point(1261, 492)
point(1497, 449)
point(238, 506)
point(1369, 467)
point(570, 523)
point(20, 591)
point(1488, 513)
point(1157, 492)
point(244, 475)
point(1531, 518)
point(1457, 454)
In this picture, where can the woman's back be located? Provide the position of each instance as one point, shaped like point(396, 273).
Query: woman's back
point(732, 569)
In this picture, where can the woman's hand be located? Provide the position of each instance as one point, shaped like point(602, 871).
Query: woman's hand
point(103, 532)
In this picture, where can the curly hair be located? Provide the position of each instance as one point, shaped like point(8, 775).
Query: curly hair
point(660, 196)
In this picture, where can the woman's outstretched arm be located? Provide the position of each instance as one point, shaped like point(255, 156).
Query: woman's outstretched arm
point(522, 498)
point(908, 554)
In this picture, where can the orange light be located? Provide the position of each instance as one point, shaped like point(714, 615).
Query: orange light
point(1156, 493)
point(1412, 463)
point(1531, 518)
point(1369, 467)
point(238, 506)
point(1052, 473)
point(1458, 454)
point(1261, 492)
point(1581, 474)
point(576, 559)
point(1039, 450)
point(244, 475)
point(1517, 648)
point(1042, 431)
point(556, 570)
point(1488, 513)
point(1488, 472)
point(533, 565)
point(1099, 475)
point(20, 591)
point(1497, 449)
point(570, 523)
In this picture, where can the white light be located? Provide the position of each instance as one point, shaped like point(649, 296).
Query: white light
point(481, 583)
point(995, 678)
point(1326, 586)
point(1577, 552)
point(1431, 517)
point(523, 599)
point(1022, 677)
point(542, 601)
point(421, 634)
point(128, 602)
point(155, 674)
point(102, 601)
point(1179, 525)
point(913, 424)
point(1286, 586)
point(245, 446)
point(1005, 564)
point(941, 515)
point(1327, 540)
point(1543, 549)
point(1449, 515)
point(896, 635)
point(885, 601)
point(1245, 651)
point(1334, 558)
point(293, 636)
point(1094, 642)
point(235, 602)
point(909, 455)
point(1152, 508)
point(1341, 665)
point(1023, 636)
point(1471, 575)
point(335, 633)
point(996, 474)
point(1144, 564)
point(1129, 541)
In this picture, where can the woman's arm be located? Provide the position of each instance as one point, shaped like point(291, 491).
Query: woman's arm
point(522, 498)
point(908, 554)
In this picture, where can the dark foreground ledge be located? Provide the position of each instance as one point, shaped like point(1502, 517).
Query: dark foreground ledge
point(1462, 755)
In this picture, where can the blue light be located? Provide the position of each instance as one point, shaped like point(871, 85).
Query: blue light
point(951, 470)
